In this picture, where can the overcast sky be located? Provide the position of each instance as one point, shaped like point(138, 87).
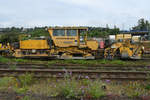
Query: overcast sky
point(30, 13)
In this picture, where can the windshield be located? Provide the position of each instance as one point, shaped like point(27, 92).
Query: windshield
point(72, 32)
point(58, 32)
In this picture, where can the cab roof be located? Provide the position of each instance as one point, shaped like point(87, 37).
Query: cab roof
point(81, 28)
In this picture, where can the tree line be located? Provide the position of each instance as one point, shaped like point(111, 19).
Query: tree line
point(10, 35)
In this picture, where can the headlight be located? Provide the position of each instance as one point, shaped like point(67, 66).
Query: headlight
point(113, 46)
point(143, 48)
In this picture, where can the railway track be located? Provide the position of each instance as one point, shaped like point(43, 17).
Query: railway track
point(81, 67)
point(61, 71)
point(92, 74)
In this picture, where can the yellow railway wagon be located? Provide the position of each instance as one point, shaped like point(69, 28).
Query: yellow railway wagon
point(33, 49)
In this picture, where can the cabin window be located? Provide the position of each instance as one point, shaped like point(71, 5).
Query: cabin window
point(58, 32)
point(71, 32)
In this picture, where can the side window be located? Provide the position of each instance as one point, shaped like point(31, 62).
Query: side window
point(71, 32)
point(58, 32)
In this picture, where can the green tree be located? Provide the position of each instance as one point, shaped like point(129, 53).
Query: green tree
point(9, 38)
point(102, 32)
point(143, 25)
point(39, 31)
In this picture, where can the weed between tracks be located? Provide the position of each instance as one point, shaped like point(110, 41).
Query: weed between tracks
point(86, 62)
point(101, 62)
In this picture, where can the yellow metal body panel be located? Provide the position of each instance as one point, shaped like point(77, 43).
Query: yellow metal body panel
point(63, 41)
point(92, 44)
point(34, 44)
point(119, 36)
point(127, 36)
point(126, 50)
point(0, 45)
point(135, 39)
point(123, 36)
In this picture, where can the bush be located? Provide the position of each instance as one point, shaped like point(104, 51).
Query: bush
point(95, 90)
point(147, 87)
point(25, 80)
point(86, 82)
point(69, 89)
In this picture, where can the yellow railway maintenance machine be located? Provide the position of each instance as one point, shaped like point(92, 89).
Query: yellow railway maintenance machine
point(72, 43)
point(124, 48)
point(63, 43)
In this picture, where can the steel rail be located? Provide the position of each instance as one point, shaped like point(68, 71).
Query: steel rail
point(93, 74)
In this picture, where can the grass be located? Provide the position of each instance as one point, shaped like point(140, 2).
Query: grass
point(8, 83)
point(85, 62)
point(4, 60)
point(25, 80)
point(26, 98)
point(95, 90)
point(134, 89)
point(47, 88)
point(71, 88)
point(100, 62)
point(22, 61)
point(19, 85)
